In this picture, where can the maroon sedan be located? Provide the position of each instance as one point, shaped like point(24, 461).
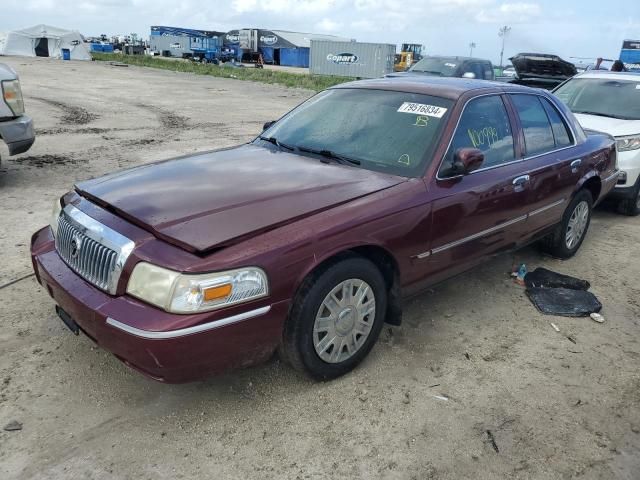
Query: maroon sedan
point(307, 239)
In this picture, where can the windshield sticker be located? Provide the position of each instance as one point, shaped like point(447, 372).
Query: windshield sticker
point(421, 121)
point(404, 159)
point(422, 109)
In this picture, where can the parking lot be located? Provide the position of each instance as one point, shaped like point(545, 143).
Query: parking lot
point(475, 383)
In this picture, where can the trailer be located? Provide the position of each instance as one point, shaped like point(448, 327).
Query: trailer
point(351, 59)
point(630, 55)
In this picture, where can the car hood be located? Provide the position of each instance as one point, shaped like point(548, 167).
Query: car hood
point(612, 126)
point(538, 65)
point(214, 199)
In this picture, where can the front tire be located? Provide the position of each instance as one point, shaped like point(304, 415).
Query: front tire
point(336, 318)
point(631, 206)
point(568, 237)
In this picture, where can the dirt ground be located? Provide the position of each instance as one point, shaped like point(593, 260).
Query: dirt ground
point(474, 384)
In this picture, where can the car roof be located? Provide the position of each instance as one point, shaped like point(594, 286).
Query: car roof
point(631, 76)
point(445, 87)
point(457, 57)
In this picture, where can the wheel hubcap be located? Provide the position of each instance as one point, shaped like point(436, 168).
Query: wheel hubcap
point(577, 224)
point(344, 320)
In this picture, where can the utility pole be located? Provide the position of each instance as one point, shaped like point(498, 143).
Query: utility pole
point(472, 45)
point(503, 33)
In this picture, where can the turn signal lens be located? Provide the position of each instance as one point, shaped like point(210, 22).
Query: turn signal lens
point(215, 293)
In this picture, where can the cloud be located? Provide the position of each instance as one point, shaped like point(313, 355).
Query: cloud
point(511, 13)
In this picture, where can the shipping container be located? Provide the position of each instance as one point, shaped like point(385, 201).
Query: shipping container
point(351, 59)
point(294, 57)
point(175, 44)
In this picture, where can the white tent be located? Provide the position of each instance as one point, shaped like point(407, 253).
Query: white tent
point(46, 41)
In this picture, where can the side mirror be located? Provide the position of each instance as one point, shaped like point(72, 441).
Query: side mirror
point(267, 125)
point(469, 75)
point(466, 160)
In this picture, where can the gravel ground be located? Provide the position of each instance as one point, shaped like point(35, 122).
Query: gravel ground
point(474, 384)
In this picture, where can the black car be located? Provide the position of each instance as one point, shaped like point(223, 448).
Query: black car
point(467, 67)
point(540, 70)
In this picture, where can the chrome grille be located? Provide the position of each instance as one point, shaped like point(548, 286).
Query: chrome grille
point(92, 250)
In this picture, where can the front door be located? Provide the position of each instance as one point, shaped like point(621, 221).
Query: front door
point(478, 214)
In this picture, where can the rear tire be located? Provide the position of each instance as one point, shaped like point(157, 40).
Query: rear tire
point(565, 241)
point(336, 318)
point(631, 206)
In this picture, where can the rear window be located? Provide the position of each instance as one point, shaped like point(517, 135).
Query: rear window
point(561, 133)
point(538, 135)
point(602, 96)
point(444, 67)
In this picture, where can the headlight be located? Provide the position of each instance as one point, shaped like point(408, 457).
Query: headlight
point(55, 214)
point(13, 96)
point(187, 293)
point(624, 144)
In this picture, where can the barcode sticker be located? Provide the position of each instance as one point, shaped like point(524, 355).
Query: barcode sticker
point(422, 109)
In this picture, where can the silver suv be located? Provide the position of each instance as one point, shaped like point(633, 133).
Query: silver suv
point(16, 129)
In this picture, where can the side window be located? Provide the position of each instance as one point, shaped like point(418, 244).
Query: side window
point(488, 71)
point(538, 136)
point(560, 131)
point(476, 69)
point(484, 124)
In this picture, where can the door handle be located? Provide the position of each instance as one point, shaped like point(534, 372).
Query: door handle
point(521, 180)
point(575, 165)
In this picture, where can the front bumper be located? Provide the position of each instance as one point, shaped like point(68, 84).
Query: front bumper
point(18, 134)
point(187, 348)
point(629, 163)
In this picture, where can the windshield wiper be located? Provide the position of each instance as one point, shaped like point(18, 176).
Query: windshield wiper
point(278, 144)
point(330, 154)
point(600, 114)
point(434, 72)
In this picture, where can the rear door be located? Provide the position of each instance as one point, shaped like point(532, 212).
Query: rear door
point(478, 214)
point(553, 165)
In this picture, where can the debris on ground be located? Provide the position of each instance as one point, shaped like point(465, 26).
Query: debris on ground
point(544, 278)
point(492, 441)
point(441, 397)
point(519, 274)
point(564, 301)
point(596, 317)
point(555, 327)
point(557, 294)
point(13, 426)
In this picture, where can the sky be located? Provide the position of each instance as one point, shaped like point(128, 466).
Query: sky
point(575, 28)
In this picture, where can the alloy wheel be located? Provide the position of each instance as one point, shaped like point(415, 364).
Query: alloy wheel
point(577, 224)
point(344, 320)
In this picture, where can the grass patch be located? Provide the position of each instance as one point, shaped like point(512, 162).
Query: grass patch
point(293, 80)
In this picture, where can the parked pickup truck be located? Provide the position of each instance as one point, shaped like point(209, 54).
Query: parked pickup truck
point(307, 239)
point(16, 129)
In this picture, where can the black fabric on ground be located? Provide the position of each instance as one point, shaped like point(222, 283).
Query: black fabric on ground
point(543, 278)
point(564, 301)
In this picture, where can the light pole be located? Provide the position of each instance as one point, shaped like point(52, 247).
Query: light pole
point(503, 33)
point(472, 45)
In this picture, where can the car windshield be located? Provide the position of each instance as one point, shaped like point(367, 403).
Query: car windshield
point(393, 132)
point(602, 96)
point(445, 67)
